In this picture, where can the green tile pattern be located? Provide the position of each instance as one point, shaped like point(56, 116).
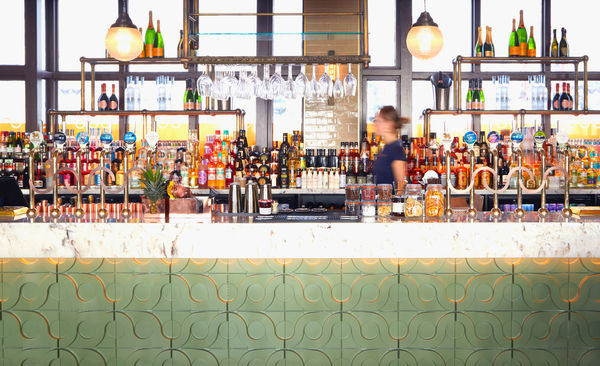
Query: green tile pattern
point(300, 312)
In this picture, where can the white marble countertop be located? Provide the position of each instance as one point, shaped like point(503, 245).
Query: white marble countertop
point(196, 237)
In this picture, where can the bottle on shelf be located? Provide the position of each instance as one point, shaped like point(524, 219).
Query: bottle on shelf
point(188, 96)
point(158, 44)
point(479, 45)
point(564, 100)
point(113, 103)
point(563, 47)
point(469, 105)
point(481, 96)
point(571, 100)
point(103, 101)
point(522, 33)
point(149, 38)
point(531, 49)
point(556, 99)
point(488, 46)
point(514, 48)
point(554, 46)
point(143, 51)
point(180, 45)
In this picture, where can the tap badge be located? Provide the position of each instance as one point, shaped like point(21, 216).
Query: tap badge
point(36, 138)
point(470, 138)
point(493, 137)
point(539, 137)
point(106, 139)
point(516, 137)
point(129, 138)
point(83, 138)
point(152, 139)
point(60, 138)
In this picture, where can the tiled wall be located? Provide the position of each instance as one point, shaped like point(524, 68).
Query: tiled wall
point(300, 312)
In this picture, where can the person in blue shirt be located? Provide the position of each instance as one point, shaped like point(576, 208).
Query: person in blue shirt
point(390, 164)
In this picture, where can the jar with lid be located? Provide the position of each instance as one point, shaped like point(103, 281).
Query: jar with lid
point(352, 208)
point(384, 192)
point(265, 207)
point(413, 204)
point(368, 192)
point(368, 208)
point(398, 205)
point(352, 192)
point(384, 208)
point(434, 201)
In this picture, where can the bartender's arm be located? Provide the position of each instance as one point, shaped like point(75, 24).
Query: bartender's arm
point(399, 170)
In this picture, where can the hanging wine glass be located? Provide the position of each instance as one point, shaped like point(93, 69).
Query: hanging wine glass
point(252, 81)
point(312, 88)
point(325, 84)
point(242, 90)
point(230, 83)
point(204, 83)
point(350, 83)
point(218, 89)
point(276, 82)
point(288, 85)
point(264, 88)
point(300, 83)
point(338, 88)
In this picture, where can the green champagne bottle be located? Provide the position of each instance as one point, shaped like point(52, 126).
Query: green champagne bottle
point(158, 46)
point(488, 46)
point(563, 48)
point(522, 33)
point(531, 44)
point(479, 46)
point(514, 47)
point(149, 39)
point(554, 46)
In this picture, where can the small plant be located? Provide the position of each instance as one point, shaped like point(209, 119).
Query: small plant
point(155, 185)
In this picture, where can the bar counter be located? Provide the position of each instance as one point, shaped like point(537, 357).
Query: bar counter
point(206, 236)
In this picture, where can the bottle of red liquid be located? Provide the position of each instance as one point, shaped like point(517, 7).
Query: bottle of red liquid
point(229, 172)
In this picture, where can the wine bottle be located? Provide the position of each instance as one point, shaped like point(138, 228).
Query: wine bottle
point(475, 103)
point(556, 99)
point(479, 45)
point(188, 96)
point(563, 48)
point(488, 46)
point(103, 100)
point(113, 103)
point(571, 101)
point(554, 46)
point(492, 43)
point(470, 96)
point(149, 40)
point(531, 51)
point(513, 42)
point(143, 51)
point(158, 45)
point(196, 102)
point(522, 33)
point(564, 98)
point(180, 45)
point(481, 96)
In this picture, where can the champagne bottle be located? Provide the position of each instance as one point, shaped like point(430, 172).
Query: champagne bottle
point(488, 46)
point(481, 96)
point(180, 45)
point(103, 100)
point(571, 101)
point(513, 42)
point(149, 40)
point(479, 45)
point(531, 44)
point(143, 51)
point(470, 96)
point(475, 103)
point(113, 103)
point(554, 46)
point(564, 98)
point(522, 33)
point(158, 46)
point(563, 46)
point(188, 96)
point(556, 99)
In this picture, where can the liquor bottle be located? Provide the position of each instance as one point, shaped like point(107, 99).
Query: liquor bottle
point(481, 96)
point(470, 96)
point(188, 96)
point(284, 149)
point(479, 45)
point(143, 51)
point(373, 147)
point(364, 144)
point(103, 101)
point(149, 39)
point(113, 104)
point(158, 45)
point(196, 102)
point(488, 46)
point(284, 173)
point(212, 172)
point(514, 48)
point(571, 101)
point(554, 46)
point(522, 33)
point(556, 99)
point(180, 45)
point(220, 172)
point(484, 148)
point(531, 49)
point(563, 47)
point(564, 98)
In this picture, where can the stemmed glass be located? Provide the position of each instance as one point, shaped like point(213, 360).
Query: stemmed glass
point(338, 88)
point(264, 90)
point(219, 91)
point(204, 83)
point(230, 83)
point(288, 85)
point(350, 83)
point(325, 84)
point(312, 88)
point(300, 84)
point(276, 82)
point(252, 81)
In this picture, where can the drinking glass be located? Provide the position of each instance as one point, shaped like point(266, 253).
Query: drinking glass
point(288, 85)
point(230, 83)
point(264, 90)
point(325, 84)
point(300, 84)
point(252, 81)
point(204, 83)
point(338, 88)
point(312, 88)
point(276, 82)
point(350, 83)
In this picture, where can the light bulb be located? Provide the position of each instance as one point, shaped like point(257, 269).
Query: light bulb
point(424, 42)
point(123, 43)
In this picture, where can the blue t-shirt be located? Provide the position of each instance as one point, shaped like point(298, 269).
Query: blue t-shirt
point(383, 164)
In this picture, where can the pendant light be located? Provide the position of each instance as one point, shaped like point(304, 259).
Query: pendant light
point(424, 40)
point(123, 40)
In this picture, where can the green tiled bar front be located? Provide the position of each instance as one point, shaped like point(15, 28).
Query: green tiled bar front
point(300, 312)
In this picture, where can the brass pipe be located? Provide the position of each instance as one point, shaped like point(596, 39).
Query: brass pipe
point(365, 35)
point(51, 126)
point(78, 210)
point(576, 91)
point(142, 113)
point(495, 212)
point(102, 213)
point(454, 80)
point(82, 84)
point(153, 123)
point(515, 112)
point(459, 82)
point(125, 212)
point(144, 125)
point(566, 211)
point(585, 83)
point(472, 212)
point(514, 60)
point(519, 212)
point(543, 211)
point(347, 13)
point(426, 125)
point(522, 123)
point(55, 212)
point(93, 87)
point(448, 210)
point(186, 30)
point(31, 212)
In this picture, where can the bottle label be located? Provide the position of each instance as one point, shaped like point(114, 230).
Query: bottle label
point(489, 54)
point(149, 49)
point(514, 51)
point(102, 104)
point(113, 105)
point(469, 105)
point(398, 207)
point(212, 174)
point(478, 54)
point(523, 49)
point(158, 52)
point(202, 177)
point(531, 52)
point(220, 174)
point(228, 173)
point(462, 180)
point(564, 104)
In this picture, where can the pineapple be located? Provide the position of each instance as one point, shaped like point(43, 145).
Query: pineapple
point(155, 184)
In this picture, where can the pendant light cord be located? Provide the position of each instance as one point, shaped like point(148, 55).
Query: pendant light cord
point(424, 5)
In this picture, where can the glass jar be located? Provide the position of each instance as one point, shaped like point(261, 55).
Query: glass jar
point(434, 201)
point(265, 207)
point(352, 192)
point(384, 192)
point(413, 204)
point(368, 192)
point(397, 205)
point(368, 208)
point(384, 208)
point(352, 208)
